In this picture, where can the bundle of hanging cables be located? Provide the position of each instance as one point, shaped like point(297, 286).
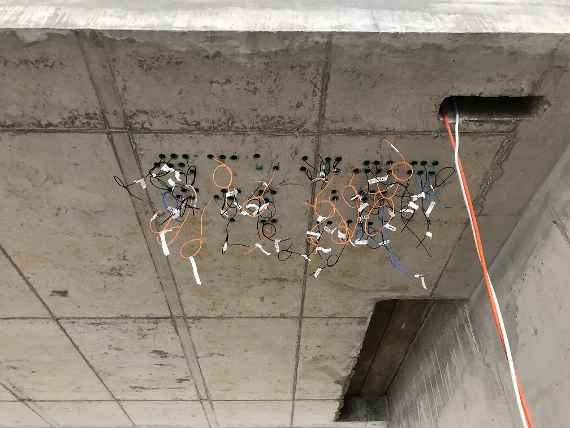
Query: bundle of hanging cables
point(522, 406)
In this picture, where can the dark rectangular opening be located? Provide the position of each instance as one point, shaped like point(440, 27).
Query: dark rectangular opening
point(392, 328)
point(473, 108)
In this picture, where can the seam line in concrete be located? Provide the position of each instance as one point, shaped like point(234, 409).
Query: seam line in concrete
point(324, 83)
point(253, 132)
point(123, 146)
point(58, 323)
point(30, 405)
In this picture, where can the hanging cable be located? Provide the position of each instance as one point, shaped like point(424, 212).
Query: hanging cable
point(522, 405)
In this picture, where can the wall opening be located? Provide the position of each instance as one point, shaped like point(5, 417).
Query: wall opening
point(472, 108)
point(393, 326)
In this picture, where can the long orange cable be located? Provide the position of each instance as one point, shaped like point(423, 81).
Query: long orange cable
point(485, 269)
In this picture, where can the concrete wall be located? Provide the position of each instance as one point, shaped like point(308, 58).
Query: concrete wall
point(455, 374)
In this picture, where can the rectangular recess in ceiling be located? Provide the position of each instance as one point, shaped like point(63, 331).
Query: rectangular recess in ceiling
point(475, 108)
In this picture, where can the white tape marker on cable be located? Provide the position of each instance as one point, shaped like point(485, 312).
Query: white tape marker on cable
point(263, 250)
point(315, 234)
point(324, 250)
point(413, 205)
point(225, 247)
point(171, 182)
point(361, 242)
point(163, 243)
point(431, 206)
point(195, 270)
point(429, 234)
point(141, 182)
point(317, 272)
point(277, 249)
point(390, 227)
point(422, 279)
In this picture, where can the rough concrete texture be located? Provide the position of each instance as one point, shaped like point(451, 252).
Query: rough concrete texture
point(91, 312)
point(456, 373)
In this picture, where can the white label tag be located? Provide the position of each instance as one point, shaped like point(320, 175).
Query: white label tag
point(317, 272)
point(171, 182)
point(341, 235)
point(429, 234)
point(141, 182)
point(166, 168)
point(362, 207)
point(163, 243)
point(225, 247)
point(177, 175)
point(195, 270)
point(361, 242)
point(231, 193)
point(430, 208)
point(418, 196)
point(315, 234)
point(390, 227)
point(277, 245)
point(413, 205)
point(422, 279)
point(324, 250)
point(320, 219)
point(408, 211)
point(263, 250)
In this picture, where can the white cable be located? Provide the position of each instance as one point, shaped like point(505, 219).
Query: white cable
point(494, 301)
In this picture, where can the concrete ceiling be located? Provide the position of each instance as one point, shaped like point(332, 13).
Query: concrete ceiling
point(99, 329)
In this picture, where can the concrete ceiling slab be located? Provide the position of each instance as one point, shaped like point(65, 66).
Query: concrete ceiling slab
point(85, 413)
point(187, 414)
point(239, 283)
point(247, 359)
point(69, 219)
point(214, 81)
point(363, 269)
point(375, 74)
point(315, 412)
point(18, 415)
point(45, 84)
point(329, 349)
point(136, 358)
point(261, 414)
point(17, 298)
point(38, 362)
point(6, 395)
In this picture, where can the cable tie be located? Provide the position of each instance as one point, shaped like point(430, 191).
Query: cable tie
point(429, 234)
point(317, 272)
point(390, 227)
point(141, 182)
point(315, 234)
point(263, 250)
point(324, 250)
point(276, 242)
point(430, 208)
point(422, 279)
point(413, 205)
point(195, 270)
